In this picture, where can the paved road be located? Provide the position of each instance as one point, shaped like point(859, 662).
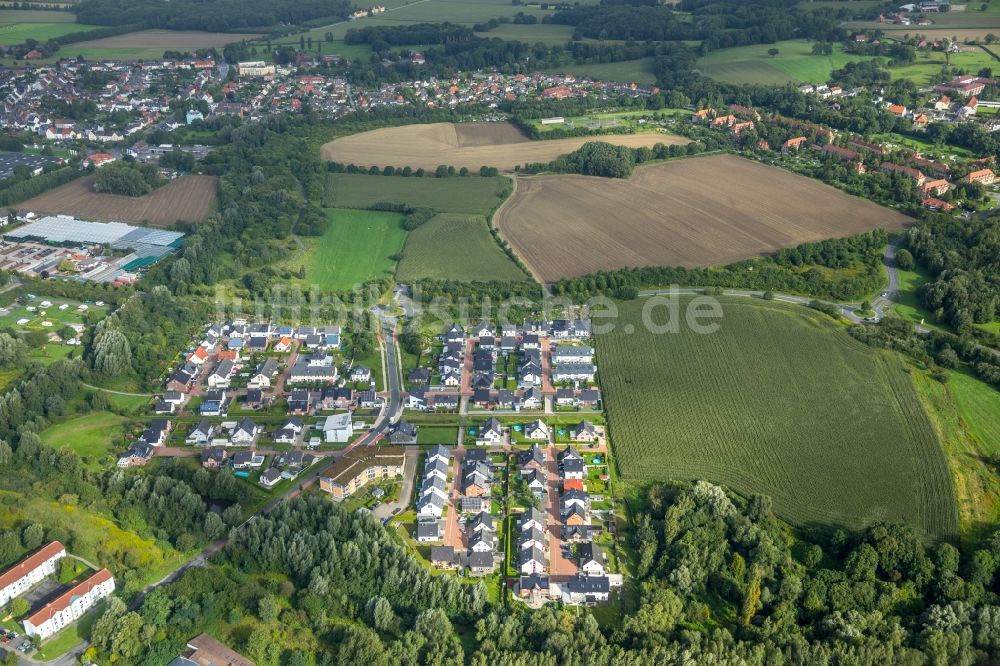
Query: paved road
point(881, 306)
point(390, 411)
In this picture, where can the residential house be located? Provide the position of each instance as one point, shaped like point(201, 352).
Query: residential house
point(937, 187)
point(566, 397)
point(221, 375)
point(361, 373)
point(242, 460)
point(245, 432)
point(584, 431)
point(215, 402)
point(402, 433)
point(586, 590)
point(136, 455)
point(572, 354)
point(444, 557)
point(201, 434)
point(490, 433)
point(984, 176)
point(264, 374)
point(532, 398)
point(270, 478)
point(305, 373)
point(300, 401)
point(429, 531)
point(531, 459)
point(574, 372)
point(338, 428)
point(593, 559)
point(213, 457)
point(537, 430)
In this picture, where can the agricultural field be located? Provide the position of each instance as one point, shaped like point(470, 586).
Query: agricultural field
point(92, 436)
point(152, 43)
point(357, 246)
point(925, 70)
point(696, 212)
point(471, 145)
point(794, 63)
point(473, 195)
point(968, 23)
point(455, 247)
point(778, 401)
point(17, 26)
point(549, 34)
point(627, 71)
point(189, 198)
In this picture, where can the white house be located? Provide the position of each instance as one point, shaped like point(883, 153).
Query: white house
point(70, 606)
point(490, 433)
point(537, 430)
point(338, 428)
point(30, 571)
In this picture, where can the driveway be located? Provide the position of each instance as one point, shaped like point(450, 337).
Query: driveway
point(383, 511)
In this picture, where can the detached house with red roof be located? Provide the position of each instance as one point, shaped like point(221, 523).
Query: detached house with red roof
point(70, 606)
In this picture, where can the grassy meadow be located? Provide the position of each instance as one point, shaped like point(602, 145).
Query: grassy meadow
point(627, 71)
point(357, 246)
point(794, 63)
point(92, 436)
point(472, 195)
point(455, 247)
point(779, 401)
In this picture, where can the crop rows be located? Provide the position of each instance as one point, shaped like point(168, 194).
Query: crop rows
point(777, 402)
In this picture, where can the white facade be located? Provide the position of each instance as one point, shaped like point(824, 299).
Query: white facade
point(71, 606)
point(29, 572)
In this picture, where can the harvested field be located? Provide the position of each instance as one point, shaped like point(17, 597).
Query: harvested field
point(190, 198)
point(163, 40)
point(471, 145)
point(694, 212)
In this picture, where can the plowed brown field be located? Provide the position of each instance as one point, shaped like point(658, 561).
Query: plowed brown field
point(189, 198)
point(694, 212)
point(471, 145)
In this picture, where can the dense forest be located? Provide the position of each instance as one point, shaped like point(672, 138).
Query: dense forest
point(127, 178)
point(719, 580)
point(963, 258)
point(212, 15)
point(781, 272)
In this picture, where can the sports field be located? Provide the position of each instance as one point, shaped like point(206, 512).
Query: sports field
point(189, 198)
point(696, 212)
point(471, 145)
point(794, 63)
point(358, 246)
point(779, 401)
point(455, 247)
point(474, 195)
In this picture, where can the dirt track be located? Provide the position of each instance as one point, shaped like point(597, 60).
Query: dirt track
point(471, 145)
point(190, 198)
point(694, 212)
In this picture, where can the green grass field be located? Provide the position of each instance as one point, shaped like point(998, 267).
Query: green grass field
point(473, 195)
point(979, 405)
point(794, 63)
point(627, 71)
point(455, 247)
point(18, 33)
point(546, 33)
point(36, 319)
point(779, 401)
point(92, 436)
point(358, 246)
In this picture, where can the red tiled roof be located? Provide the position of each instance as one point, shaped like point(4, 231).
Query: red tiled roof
point(66, 598)
point(30, 563)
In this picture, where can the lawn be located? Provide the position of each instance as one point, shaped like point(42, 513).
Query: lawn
point(794, 63)
point(447, 435)
point(37, 318)
point(71, 636)
point(908, 304)
point(455, 247)
point(358, 246)
point(93, 436)
point(473, 195)
point(779, 401)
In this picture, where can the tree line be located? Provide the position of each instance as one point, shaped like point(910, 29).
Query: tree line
point(216, 15)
